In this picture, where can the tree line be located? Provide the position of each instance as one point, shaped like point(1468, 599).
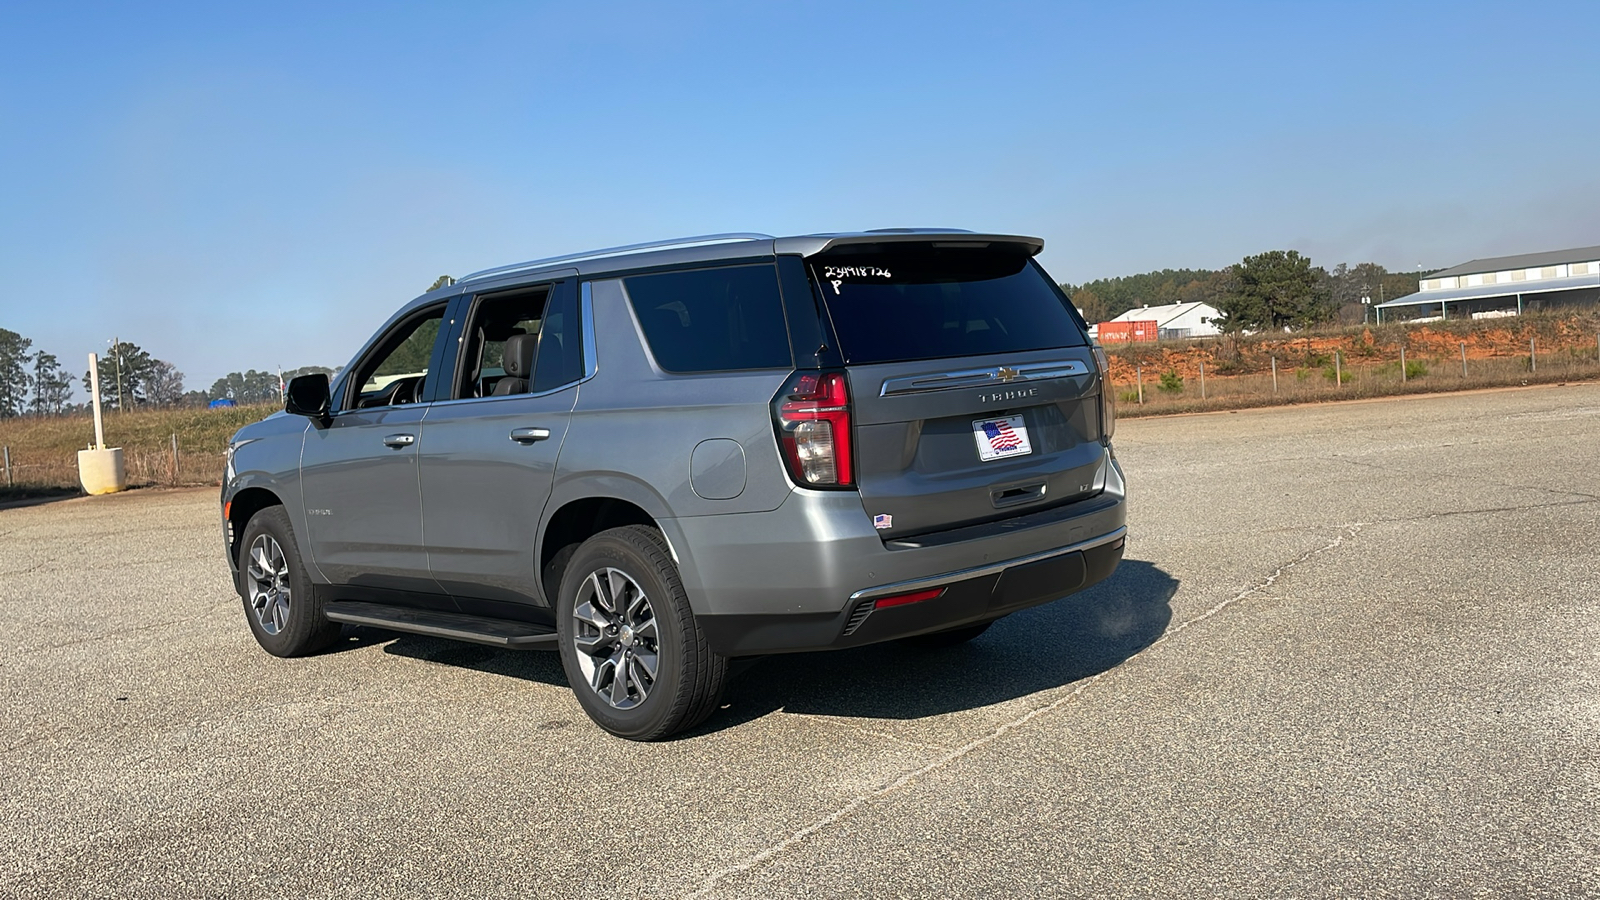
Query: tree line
point(1276, 289)
point(35, 382)
point(30, 382)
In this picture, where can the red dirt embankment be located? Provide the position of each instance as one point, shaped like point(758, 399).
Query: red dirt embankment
point(1575, 334)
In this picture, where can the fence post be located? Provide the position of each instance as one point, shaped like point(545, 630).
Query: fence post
point(1202, 381)
point(1463, 359)
point(1275, 373)
point(1338, 370)
point(1138, 376)
point(1533, 355)
point(174, 458)
point(8, 467)
point(1403, 364)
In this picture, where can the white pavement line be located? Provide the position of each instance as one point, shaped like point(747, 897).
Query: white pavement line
point(856, 802)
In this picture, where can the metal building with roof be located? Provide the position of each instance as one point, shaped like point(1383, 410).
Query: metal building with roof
point(1173, 321)
point(1503, 286)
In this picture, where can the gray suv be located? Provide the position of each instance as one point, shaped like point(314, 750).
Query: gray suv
point(661, 457)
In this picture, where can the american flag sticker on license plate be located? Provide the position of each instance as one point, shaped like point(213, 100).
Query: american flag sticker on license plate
point(1000, 438)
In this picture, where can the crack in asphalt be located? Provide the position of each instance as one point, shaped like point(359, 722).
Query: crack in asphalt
point(1347, 533)
point(1444, 477)
point(91, 638)
point(34, 567)
point(1400, 520)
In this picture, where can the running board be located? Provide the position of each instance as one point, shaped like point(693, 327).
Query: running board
point(434, 623)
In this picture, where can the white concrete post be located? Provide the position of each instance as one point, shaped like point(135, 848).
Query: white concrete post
point(100, 468)
point(94, 395)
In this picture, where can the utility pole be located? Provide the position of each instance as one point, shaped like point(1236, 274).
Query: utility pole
point(116, 346)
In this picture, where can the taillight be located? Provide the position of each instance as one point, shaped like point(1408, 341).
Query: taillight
point(1108, 394)
point(812, 415)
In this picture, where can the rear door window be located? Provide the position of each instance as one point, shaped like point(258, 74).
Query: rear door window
point(891, 304)
point(712, 320)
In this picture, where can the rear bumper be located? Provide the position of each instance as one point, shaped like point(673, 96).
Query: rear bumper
point(792, 578)
point(968, 596)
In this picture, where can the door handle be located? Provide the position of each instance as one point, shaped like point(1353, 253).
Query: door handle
point(399, 440)
point(529, 435)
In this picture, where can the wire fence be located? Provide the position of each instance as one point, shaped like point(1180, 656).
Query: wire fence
point(166, 465)
point(1341, 375)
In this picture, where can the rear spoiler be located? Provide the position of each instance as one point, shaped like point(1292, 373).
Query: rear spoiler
point(813, 244)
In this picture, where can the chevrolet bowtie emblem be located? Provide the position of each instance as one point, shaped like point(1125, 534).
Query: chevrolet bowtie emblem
point(1007, 373)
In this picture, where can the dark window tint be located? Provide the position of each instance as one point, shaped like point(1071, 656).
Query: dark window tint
point(560, 359)
point(894, 304)
point(711, 320)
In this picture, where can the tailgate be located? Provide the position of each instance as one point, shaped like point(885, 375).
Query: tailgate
point(974, 388)
point(927, 439)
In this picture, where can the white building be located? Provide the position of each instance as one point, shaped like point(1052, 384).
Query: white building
point(1174, 321)
point(1503, 285)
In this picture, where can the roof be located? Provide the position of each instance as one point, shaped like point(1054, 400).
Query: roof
point(1164, 314)
point(1522, 261)
point(706, 248)
point(737, 245)
point(1486, 291)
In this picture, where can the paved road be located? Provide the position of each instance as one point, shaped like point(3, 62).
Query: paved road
point(1352, 652)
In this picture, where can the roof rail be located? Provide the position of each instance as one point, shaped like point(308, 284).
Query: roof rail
point(695, 241)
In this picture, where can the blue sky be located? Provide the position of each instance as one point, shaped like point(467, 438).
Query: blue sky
point(238, 186)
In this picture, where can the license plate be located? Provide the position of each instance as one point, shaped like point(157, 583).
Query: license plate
point(1000, 438)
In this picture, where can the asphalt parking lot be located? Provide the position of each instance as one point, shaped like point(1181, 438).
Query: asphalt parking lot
point(1352, 652)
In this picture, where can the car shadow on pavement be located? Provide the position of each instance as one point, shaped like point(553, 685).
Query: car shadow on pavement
point(1034, 650)
point(543, 666)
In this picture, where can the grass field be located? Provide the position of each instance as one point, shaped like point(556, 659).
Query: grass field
point(44, 450)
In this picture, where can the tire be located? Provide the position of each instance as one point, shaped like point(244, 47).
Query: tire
point(281, 608)
point(941, 639)
point(631, 568)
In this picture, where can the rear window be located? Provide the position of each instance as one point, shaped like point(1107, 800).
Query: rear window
point(712, 320)
point(895, 304)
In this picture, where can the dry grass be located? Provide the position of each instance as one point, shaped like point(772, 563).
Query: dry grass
point(44, 450)
point(1353, 380)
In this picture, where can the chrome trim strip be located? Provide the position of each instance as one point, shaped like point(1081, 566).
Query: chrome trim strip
point(456, 401)
point(945, 381)
point(694, 241)
point(590, 363)
point(906, 587)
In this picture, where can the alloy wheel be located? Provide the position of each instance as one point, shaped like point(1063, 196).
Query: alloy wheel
point(268, 574)
point(616, 638)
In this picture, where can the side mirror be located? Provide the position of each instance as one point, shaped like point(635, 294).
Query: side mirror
point(307, 395)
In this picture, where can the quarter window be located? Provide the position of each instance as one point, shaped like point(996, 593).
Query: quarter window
point(712, 320)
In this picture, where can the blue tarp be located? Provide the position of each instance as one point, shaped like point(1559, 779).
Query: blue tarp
point(223, 403)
